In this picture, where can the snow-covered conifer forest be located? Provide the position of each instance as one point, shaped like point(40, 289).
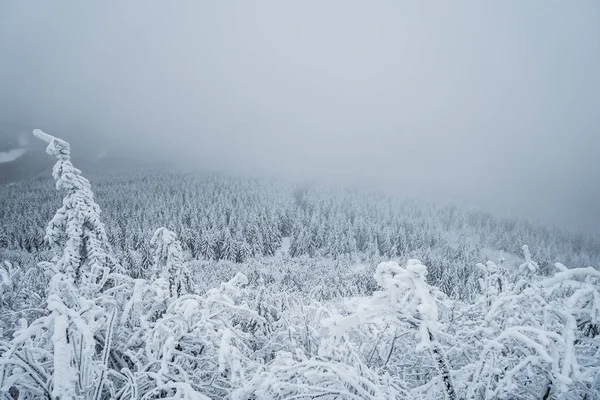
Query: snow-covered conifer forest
point(165, 284)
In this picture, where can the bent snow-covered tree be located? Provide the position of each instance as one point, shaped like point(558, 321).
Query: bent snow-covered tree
point(76, 226)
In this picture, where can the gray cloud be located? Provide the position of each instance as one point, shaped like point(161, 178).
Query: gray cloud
point(491, 103)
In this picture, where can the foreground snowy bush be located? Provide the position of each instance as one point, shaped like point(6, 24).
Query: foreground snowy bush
point(97, 333)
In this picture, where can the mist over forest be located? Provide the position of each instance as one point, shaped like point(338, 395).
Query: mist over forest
point(298, 200)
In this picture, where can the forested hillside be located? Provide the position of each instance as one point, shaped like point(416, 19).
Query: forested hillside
point(221, 287)
point(222, 217)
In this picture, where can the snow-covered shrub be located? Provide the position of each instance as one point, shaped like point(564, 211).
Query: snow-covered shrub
point(298, 377)
point(196, 347)
point(22, 294)
point(407, 302)
point(493, 283)
point(535, 338)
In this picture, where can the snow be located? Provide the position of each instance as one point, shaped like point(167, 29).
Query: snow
point(327, 324)
point(11, 155)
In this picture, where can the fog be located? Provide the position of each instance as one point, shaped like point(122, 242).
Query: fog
point(493, 104)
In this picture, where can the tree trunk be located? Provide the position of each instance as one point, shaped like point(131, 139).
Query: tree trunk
point(438, 356)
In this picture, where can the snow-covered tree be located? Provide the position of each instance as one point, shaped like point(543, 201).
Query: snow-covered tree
point(59, 350)
point(169, 264)
point(76, 225)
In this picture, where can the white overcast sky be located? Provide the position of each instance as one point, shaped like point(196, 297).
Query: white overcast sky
point(494, 102)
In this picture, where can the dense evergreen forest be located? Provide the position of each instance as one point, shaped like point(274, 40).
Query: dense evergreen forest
point(222, 217)
point(210, 286)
